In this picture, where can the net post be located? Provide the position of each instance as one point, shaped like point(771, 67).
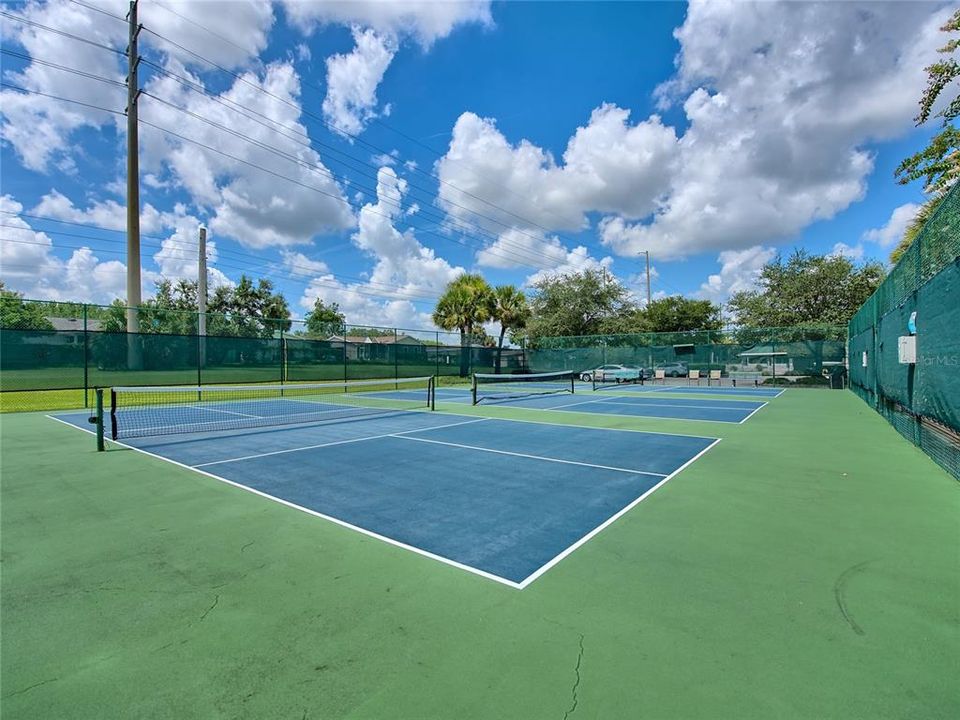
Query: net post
point(573, 383)
point(473, 389)
point(113, 414)
point(593, 380)
point(432, 392)
point(98, 418)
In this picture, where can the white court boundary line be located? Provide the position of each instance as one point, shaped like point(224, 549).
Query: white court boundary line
point(332, 443)
point(524, 455)
point(337, 521)
point(638, 415)
point(420, 551)
point(642, 402)
point(609, 521)
point(752, 414)
point(693, 389)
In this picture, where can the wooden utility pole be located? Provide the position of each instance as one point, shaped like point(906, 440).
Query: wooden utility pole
point(647, 253)
point(134, 356)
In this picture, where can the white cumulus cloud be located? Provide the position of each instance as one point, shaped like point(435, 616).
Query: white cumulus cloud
point(891, 233)
point(352, 81)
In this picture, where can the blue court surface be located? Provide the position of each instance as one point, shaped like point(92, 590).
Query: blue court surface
point(503, 499)
point(704, 409)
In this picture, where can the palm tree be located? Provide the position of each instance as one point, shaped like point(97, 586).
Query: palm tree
point(508, 306)
point(924, 213)
point(464, 306)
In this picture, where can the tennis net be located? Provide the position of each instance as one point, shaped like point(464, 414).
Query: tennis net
point(487, 387)
point(146, 411)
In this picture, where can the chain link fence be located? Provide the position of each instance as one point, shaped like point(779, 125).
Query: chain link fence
point(794, 357)
point(920, 298)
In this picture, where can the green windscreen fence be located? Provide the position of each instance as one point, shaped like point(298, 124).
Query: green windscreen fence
point(67, 350)
point(920, 298)
point(801, 357)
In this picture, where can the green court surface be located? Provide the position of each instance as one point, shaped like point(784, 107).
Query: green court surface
point(808, 566)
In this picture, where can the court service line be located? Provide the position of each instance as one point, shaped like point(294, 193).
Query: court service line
point(612, 519)
point(329, 444)
point(532, 457)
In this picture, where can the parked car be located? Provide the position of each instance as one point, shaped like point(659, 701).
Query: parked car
point(642, 372)
point(611, 373)
point(674, 369)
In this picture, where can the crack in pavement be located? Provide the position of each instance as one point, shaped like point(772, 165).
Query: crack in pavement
point(576, 684)
point(216, 600)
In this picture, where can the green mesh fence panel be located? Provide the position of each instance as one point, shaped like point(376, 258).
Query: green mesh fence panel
point(41, 360)
point(242, 360)
point(141, 359)
point(795, 356)
point(313, 360)
point(921, 400)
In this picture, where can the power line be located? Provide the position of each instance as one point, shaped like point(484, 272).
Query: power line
point(332, 128)
point(78, 38)
point(530, 252)
point(326, 173)
point(99, 10)
point(393, 289)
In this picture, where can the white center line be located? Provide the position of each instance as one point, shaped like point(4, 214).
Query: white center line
point(227, 412)
point(532, 457)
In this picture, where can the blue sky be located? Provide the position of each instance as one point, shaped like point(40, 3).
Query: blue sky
point(380, 149)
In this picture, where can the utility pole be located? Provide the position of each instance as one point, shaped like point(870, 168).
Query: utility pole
point(202, 296)
point(647, 253)
point(134, 356)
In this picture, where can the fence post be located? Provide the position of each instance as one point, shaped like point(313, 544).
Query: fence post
point(436, 356)
point(396, 362)
point(86, 359)
point(283, 355)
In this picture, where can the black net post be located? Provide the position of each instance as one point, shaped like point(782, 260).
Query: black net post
point(113, 413)
point(573, 383)
point(431, 393)
point(97, 419)
point(473, 389)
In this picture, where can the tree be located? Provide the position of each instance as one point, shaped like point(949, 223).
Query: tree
point(17, 314)
point(677, 314)
point(508, 306)
point(939, 162)
point(464, 306)
point(914, 227)
point(325, 320)
point(576, 304)
point(806, 290)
